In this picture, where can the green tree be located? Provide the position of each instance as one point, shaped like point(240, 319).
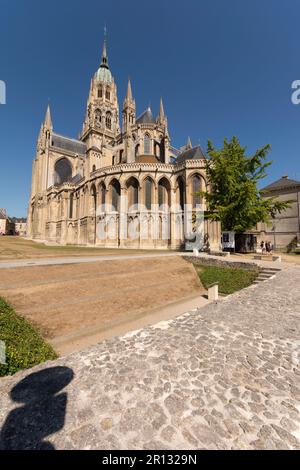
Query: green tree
point(233, 196)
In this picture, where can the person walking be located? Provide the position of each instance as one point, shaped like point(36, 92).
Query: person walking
point(262, 246)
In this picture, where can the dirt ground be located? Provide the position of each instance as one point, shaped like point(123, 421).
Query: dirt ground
point(73, 300)
point(12, 248)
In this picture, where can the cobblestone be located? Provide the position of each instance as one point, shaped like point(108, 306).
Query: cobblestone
point(223, 377)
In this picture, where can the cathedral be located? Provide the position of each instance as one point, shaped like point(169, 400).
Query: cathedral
point(118, 186)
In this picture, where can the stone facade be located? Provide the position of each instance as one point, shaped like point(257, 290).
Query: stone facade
point(285, 228)
point(84, 187)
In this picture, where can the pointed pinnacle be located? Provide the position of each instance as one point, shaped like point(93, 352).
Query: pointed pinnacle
point(161, 109)
point(129, 91)
point(48, 120)
point(189, 143)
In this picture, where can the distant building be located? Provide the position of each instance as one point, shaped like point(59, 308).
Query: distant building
point(12, 226)
point(285, 228)
point(20, 226)
point(3, 221)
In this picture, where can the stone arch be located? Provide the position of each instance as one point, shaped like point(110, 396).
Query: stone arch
point(98, 117)
point(148, 192)
point(196, 183)
point(115, 194)
point(137, 150)
point(164, 192)
point(147, 144)
point(180, 192)
point(102, 194)
point(62, 171)
point(108, 119)
point(132, 186)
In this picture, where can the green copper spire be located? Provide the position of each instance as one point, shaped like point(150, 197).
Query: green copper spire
point(103, 73)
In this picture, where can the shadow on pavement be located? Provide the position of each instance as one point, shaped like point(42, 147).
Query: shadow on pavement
point(43, 412)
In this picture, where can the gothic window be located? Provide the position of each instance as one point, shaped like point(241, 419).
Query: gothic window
point(196, 188)
point(147, 144)
point(94, 168)
point(181, 193)
point(108, 120)
point(115, 194)
point(164, 192)
point(107, 94)
point(71, 206)
point(94, 198)
point(132, 192)
point(148, 193)
point(62, 171)
point(98, 117)
point(102, 194)
point(100, 92)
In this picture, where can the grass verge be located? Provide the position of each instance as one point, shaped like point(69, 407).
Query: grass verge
point(24, 345)
point(230, 279)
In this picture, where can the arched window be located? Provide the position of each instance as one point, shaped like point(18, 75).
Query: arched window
point(102, 194)
point(132, 192)
point(71, 206)
point(137, 150)
point(196, 188)
point(108, 120)
point(181, 191)
point(148, 193)
point(98, 117)
point(147, 144)
point(107, 94)
point(94, 168)
point(115, 194)
point(100, 92)
point(94, 198)
point(62, 171)
point(157, 149)
point(164, 192)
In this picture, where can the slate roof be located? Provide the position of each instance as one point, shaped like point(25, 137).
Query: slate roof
point(282, 183)
point(195, 153)
point(146, 117)
point(65, 143)
point(76, 178)
point(3, 214)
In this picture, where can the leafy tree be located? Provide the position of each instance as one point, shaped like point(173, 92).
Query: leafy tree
point(233, 197)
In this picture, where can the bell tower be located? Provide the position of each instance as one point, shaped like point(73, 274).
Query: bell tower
point(101, 123)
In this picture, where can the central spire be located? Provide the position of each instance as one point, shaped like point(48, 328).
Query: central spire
point(104, 62)
point(103, 73)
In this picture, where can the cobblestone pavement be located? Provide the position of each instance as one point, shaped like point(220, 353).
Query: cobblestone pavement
point(223, 377)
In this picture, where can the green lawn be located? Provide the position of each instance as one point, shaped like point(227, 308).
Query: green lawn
point(25, 346)
point(230, 279)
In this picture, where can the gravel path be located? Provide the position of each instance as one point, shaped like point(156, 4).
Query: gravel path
point(224, 377)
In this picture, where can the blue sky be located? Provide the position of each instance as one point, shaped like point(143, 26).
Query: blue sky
point(224, 68)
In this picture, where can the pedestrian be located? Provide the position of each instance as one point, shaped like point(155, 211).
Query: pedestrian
point(262, 246)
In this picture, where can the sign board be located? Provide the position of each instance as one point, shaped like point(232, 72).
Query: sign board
point(228, 241)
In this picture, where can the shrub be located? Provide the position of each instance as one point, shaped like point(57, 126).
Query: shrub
point(25, 346)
